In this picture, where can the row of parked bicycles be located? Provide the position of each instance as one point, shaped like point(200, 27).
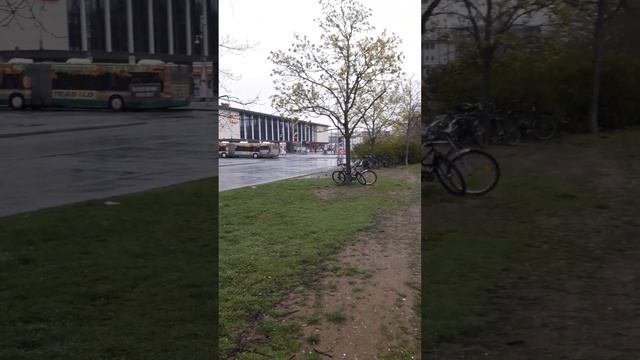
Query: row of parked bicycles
point(362, 170)
point(472, 171)
point(473, 123)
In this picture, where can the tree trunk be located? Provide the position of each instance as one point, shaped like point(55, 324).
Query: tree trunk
point(406, 145)
point(347, 153)
point(372, 144)
point(598, 39)
point(486, 80)
point(486, 88)
point(429, 12)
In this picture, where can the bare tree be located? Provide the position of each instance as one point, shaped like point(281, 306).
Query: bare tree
point(488, 24)
point(429, 10)
point(227, 119)
point(598, 42)
point(384, 114)
point(227, 45)
point(21, 12)
point(601, 11)
point(342, 76)
point(410, 112)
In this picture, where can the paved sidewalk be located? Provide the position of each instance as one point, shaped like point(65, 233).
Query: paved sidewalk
point(237, 173)
point(201, 105)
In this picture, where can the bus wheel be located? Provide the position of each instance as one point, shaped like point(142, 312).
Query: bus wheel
point(116, 103)
point(255, 156)
point(223, 155)
point(16, 101)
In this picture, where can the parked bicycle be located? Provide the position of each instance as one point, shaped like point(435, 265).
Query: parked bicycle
point(541, 126)
point(480, 169)
point(437, 165)
point(358, 173)
point(503, 130)
point(466, 124)
point(376, 162)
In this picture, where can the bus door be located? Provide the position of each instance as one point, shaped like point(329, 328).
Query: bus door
point(41, 78)
point(181, 82)
point(231, 149)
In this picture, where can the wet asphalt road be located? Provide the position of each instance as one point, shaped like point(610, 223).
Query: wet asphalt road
point(236, 173)
point(50, 158)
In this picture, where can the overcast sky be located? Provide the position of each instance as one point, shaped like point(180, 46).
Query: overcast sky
point(270, 25)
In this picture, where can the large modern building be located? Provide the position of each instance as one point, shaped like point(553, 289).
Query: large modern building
point(244, 125)
point(178, 31)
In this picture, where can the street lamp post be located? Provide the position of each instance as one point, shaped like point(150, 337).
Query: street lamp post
point(199, 39)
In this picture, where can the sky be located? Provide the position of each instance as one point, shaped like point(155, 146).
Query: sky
point(271, 25)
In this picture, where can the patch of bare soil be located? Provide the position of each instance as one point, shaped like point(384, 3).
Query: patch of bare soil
point(592, 312)
point(364, 307)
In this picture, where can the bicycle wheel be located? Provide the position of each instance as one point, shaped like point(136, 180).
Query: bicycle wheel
point(339, 177)
point(369, 176)
point(480, 170)
point(511, 136)
point(481, 136)
point(544, 128)
point(449, 176)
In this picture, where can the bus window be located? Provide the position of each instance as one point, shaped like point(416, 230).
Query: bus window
point(147, 78)
point(101, 82)
point(11, 81)
point(120, 82)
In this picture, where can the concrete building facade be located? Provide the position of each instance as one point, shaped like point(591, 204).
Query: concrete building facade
point(245, 125)
point(177, 31)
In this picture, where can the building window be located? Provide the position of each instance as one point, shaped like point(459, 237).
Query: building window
point(75, 37)
point(179, 26)
point(160, 26)
point(212, 11)
point(263, 128)
point(140, 26)
point(95, 25)
point(254, 128)
point(119, 41)
point(196, 33)
point(270, 128)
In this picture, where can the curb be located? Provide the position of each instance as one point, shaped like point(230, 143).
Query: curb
point(81, 128)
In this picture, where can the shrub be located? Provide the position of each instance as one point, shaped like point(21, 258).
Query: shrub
point(392, 147)
point(558, 83)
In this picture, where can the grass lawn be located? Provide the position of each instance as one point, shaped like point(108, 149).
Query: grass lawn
point(276, 237)
point(132, 281)
point(531, 227)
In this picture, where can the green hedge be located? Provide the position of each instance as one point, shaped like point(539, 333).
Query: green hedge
point(558, 83)
point(393, 147)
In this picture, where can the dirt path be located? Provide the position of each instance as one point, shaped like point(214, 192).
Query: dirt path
point(592, 312)
point(364, 306)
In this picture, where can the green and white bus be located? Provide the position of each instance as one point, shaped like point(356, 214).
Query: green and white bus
point(94, 85)
point(248, 149)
